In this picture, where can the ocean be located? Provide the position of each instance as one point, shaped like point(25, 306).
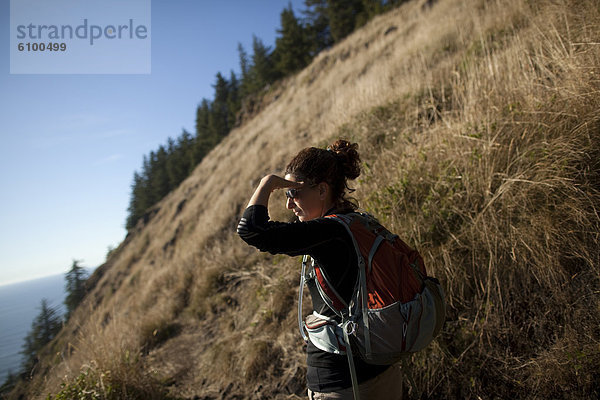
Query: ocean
point(19, 305)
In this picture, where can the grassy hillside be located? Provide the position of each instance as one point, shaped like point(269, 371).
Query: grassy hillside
point(479, 128)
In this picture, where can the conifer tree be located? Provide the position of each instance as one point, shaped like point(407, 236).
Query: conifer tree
point(344, 17)
point(74, 287)
point(233, 100)
point(178, 164)
point(245, 84)
point(292, 47)
point(219, 115)
point(374, 7)
point(148, 171)
point(203, 142)
point(137, 201)
point(160, 180)
point(185, 146)
point(262, 71)
point(44, 328)
point(202, 116)
point(317, 25)
point(173, 162)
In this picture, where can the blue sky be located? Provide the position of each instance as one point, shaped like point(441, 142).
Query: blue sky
point(71, 143)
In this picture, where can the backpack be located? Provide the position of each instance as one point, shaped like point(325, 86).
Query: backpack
point(395, 308)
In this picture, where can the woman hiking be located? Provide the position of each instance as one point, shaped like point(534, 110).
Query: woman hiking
point(316, 184)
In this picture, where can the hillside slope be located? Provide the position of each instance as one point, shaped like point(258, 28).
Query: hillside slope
point(479, 130)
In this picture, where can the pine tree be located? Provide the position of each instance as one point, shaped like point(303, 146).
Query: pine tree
point(186, 144)
point(202, 115)
point(234, 102)
point(178, 164)
point(374, 7)
point(44, 328)
point(317, 25)
point(148, 171)
point(344, 17)
point(204, 142)
point(292, 47)
point(219, 115)
point(262, 72)
point(160, 179)
point(74, 287)
point(245, 84)
point(137, 202)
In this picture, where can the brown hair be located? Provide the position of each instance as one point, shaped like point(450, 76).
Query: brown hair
point(334, 165)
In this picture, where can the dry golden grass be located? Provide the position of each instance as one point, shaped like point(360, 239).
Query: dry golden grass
point(479, 129)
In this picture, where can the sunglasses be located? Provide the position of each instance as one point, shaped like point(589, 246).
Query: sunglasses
point(293, 193)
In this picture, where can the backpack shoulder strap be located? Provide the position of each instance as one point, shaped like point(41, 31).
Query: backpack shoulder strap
point(346, 221)
point(360, 297)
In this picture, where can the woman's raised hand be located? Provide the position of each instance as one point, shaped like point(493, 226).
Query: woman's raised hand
point(274, 182)
point(267, 185)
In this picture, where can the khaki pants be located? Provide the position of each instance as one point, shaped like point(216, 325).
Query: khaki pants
point(386, 386)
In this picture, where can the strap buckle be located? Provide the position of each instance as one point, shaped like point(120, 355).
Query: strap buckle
point(350, 327)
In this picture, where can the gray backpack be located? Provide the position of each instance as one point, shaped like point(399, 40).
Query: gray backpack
point(395, 309)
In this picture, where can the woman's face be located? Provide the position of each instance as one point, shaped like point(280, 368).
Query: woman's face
point(309, 202)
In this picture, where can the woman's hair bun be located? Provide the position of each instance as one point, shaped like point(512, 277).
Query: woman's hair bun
point(347, 154)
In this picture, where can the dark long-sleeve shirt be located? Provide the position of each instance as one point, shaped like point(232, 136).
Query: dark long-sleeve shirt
point(327, 242)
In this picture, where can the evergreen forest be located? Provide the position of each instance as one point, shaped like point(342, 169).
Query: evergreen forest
point(322, 23)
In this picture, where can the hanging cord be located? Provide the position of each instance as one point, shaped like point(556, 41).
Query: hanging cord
point(300, 291)
point(351, 326)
